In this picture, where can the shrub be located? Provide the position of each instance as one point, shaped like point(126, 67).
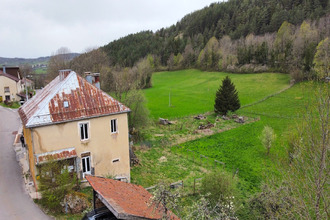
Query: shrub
point(220, 189)
point(55, 182)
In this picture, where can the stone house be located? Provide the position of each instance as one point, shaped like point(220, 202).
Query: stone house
point(71, 120)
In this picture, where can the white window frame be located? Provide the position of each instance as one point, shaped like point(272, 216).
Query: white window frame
point(83, 135)
point(114, 126)
point(7, 89)
point(66, 104)
point(84, 164)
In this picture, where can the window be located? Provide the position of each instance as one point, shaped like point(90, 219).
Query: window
point(86, 165)
point(83, 131)
point(114, 126)
point(7, 89)
point(66, 104)
point(115, 160)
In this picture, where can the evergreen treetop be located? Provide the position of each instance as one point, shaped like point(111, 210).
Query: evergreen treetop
point(226, 98)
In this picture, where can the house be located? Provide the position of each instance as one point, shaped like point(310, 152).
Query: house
point(73, 121)
point(10, 87)
point(125, 200)
point(12, 70)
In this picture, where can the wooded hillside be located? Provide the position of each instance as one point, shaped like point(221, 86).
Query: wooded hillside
point(235, 18)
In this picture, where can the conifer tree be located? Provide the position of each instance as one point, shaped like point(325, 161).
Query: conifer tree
point(226, 98)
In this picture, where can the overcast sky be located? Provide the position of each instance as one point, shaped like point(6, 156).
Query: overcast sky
point(35, 28)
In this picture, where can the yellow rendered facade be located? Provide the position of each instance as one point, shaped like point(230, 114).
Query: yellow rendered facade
point(10, 88)
point(108, 151)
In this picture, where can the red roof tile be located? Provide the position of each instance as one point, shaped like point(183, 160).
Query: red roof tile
point(84, 101)
point(126, 200)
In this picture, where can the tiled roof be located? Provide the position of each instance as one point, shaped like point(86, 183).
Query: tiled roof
point(55, 155)
point(9, 76)
point(82, 98)
point(125, 200)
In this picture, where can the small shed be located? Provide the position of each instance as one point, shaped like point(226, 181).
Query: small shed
point(124, 200)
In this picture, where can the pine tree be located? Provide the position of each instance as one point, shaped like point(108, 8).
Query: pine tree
point(226, 98)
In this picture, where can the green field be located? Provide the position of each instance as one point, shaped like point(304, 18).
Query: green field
point(193, 91)
point(240, 147)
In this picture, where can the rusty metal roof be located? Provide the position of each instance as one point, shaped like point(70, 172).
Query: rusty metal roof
point(83, 101)
point(126, 200)
point(55, 155)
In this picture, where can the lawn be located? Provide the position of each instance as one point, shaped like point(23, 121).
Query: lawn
point(240, 147)
point(193, 91)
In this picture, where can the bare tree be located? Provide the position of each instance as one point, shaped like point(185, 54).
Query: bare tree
point(59, 60)
point(164, 200)
point(93, 60)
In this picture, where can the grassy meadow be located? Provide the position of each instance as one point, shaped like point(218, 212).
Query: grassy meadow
point(193, 91)
point(238, 146)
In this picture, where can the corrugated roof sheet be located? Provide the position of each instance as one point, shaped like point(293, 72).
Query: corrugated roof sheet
point(55, 155)
point(84, 101)
point(129, 201)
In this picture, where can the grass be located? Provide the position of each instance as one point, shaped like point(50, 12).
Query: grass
point(41, 70)
point(239, 148)
point(193, 91)
point(13, 105)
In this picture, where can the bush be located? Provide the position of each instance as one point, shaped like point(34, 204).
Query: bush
point(220, 188)
point(55, 183)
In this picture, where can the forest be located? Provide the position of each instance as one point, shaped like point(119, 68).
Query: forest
point(234, 19)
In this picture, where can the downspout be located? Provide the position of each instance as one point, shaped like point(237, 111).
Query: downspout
point(34, 178)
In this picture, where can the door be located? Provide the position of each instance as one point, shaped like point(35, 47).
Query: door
point(86, 165)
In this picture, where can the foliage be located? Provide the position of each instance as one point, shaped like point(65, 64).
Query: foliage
point(58, 61)
point(55, 182)
point(164, 199)
point(272, 202)
point(321, 59)
point(220, 188)
point(267, 137)
point(217, 20)
point(226, 98)
point(10, 104)
point(309, 171)
point(202, 209)
point(93, 60)
point(139, 115)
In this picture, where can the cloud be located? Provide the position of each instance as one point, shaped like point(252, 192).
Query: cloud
point(33, 28)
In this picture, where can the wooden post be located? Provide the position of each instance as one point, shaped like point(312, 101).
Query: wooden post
point(94, 199)
point(194, 185)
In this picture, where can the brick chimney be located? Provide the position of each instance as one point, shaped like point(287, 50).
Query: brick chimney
point(64, 73)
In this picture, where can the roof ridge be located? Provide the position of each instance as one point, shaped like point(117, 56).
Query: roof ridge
point(49, 97)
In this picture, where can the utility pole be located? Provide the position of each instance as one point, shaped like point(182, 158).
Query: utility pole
point(26, 90)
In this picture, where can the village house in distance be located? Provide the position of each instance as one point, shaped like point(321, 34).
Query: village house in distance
point(11, 84)
point(73, 120)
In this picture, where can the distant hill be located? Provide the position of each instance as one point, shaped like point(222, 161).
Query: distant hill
point(18, 61)
point(235, 18)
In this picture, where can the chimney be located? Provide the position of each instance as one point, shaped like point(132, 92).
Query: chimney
point(4, 68)
point(64, 73)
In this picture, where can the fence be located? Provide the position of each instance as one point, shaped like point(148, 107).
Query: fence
point(192, 186)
